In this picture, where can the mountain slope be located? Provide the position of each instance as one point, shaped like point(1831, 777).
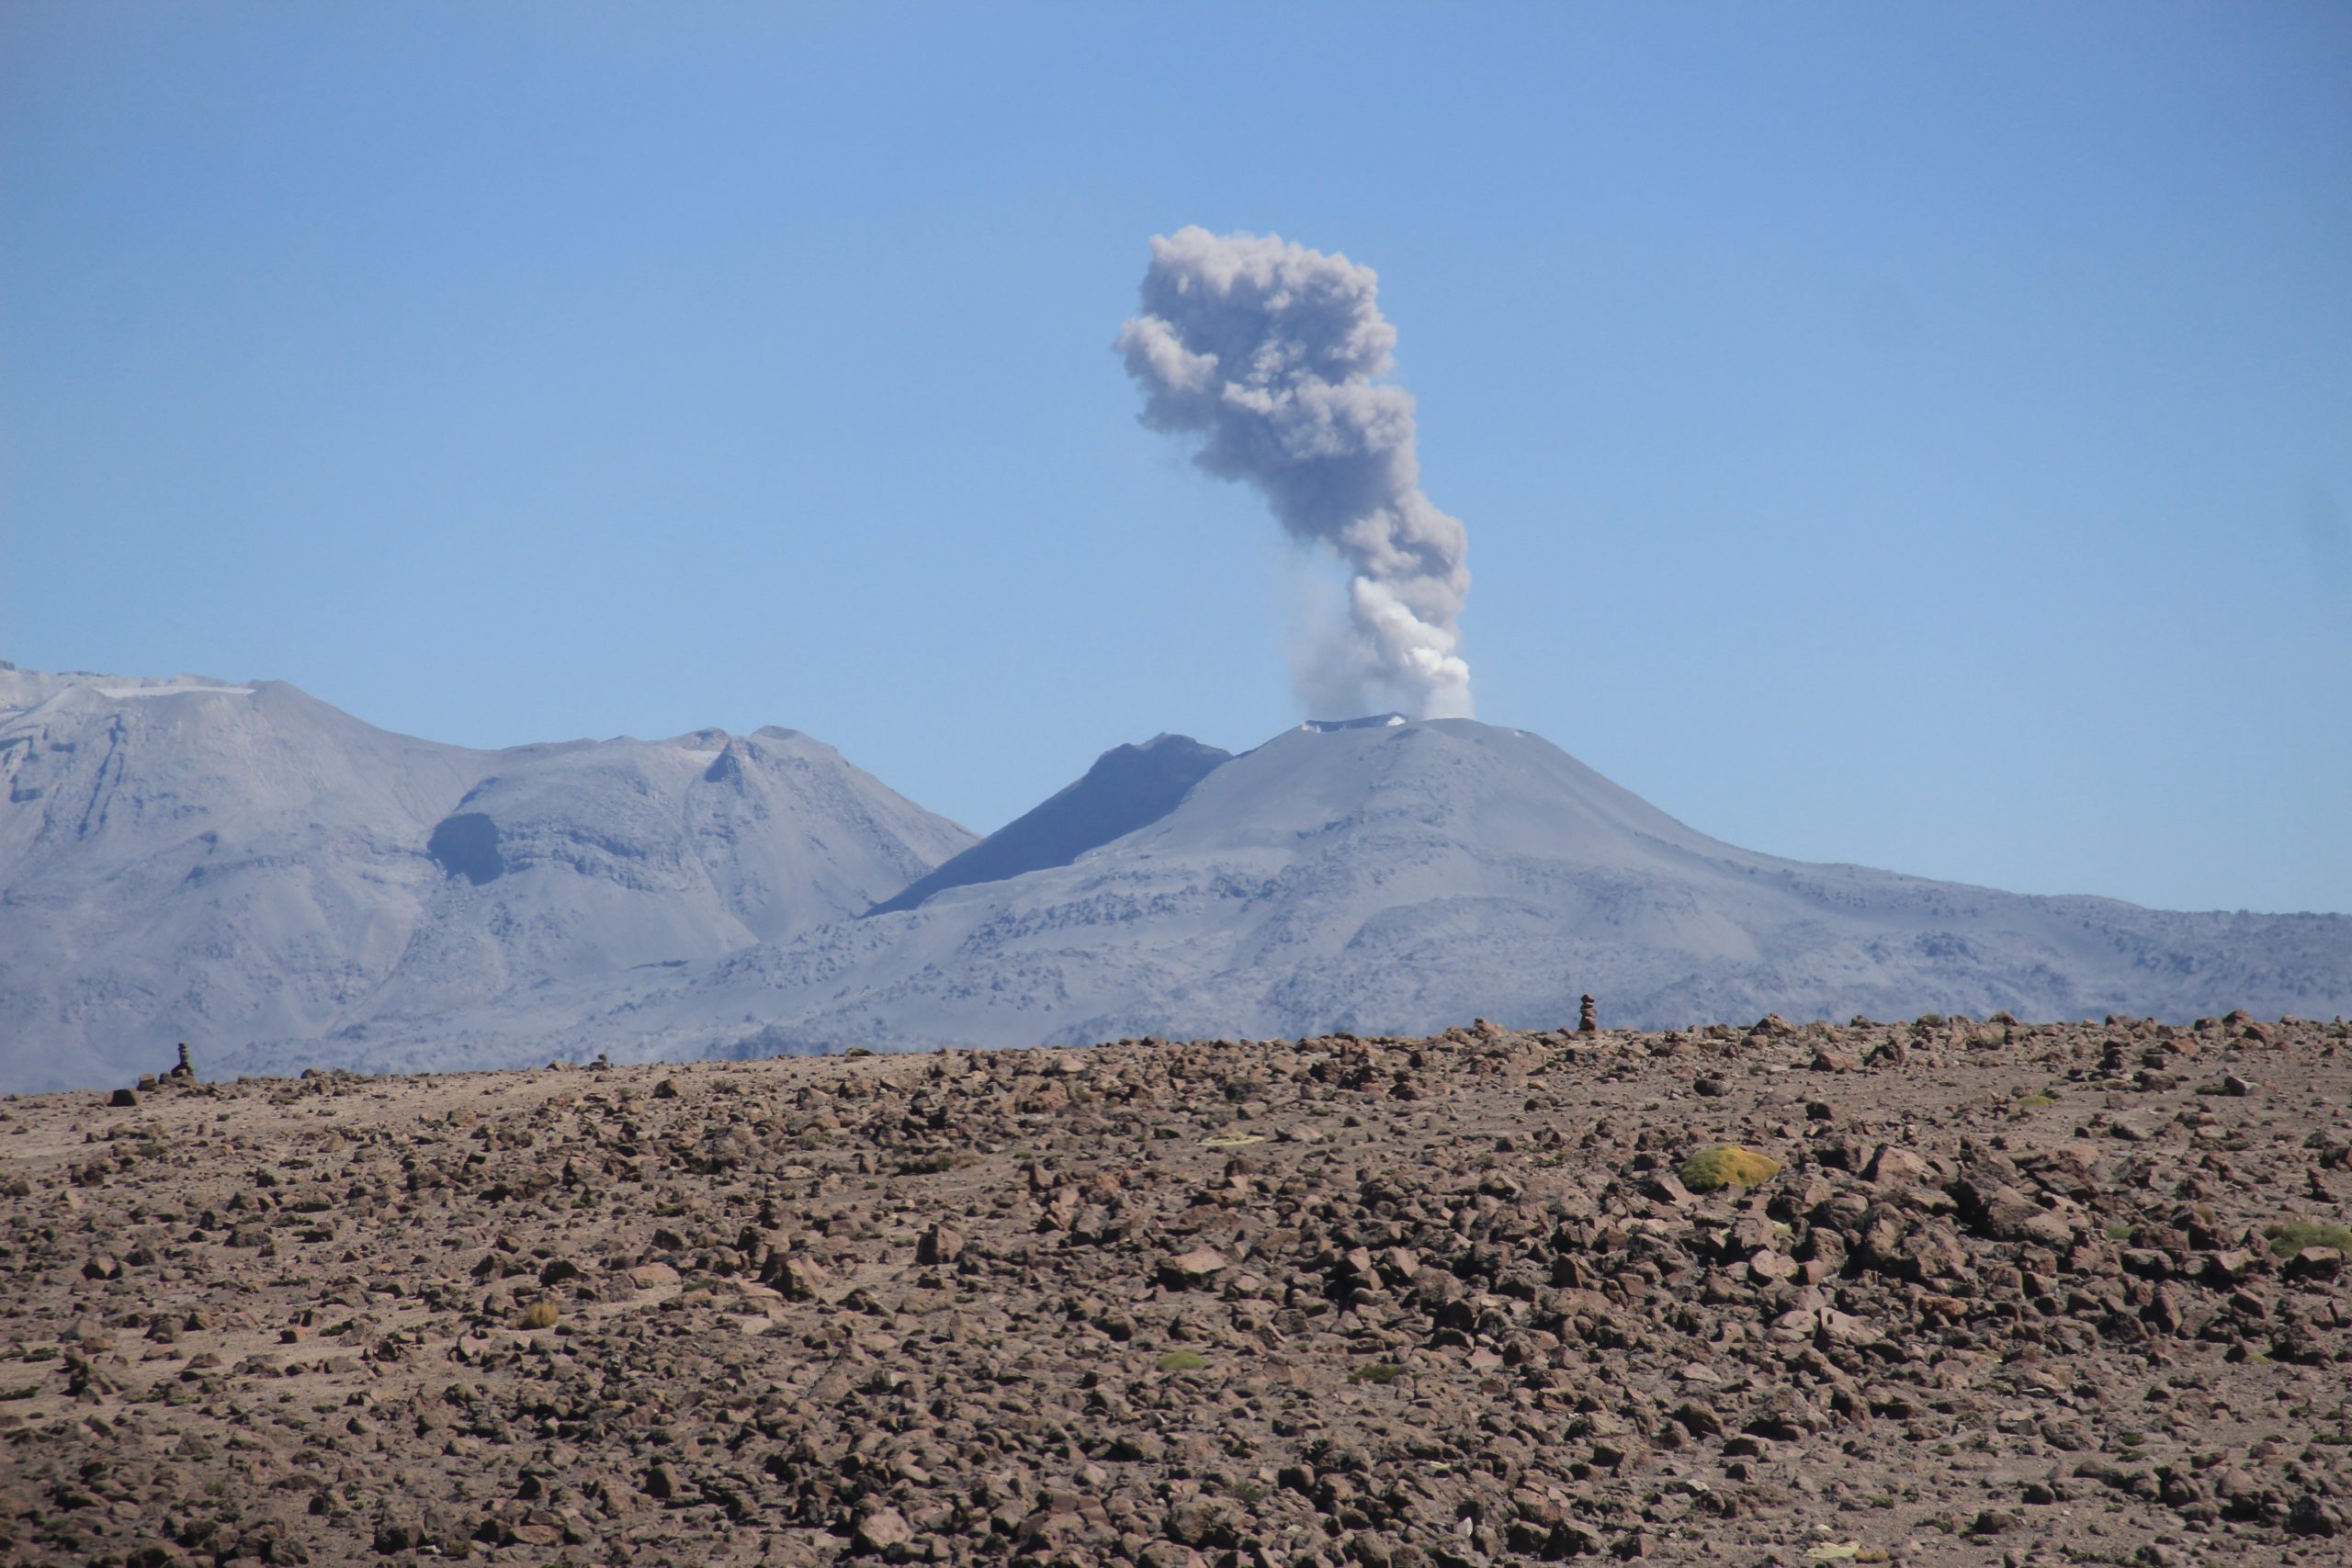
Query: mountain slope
point(1128, 787)
point(1394, 877)
point(227, 864)
point(572, 866)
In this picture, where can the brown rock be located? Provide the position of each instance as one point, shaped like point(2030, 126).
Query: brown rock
point(2315, 1263)
point(1200, 1521)
point(879, 1529)
point(2006, 1213)
point(1667, 1188)
point(939, 1245)
point(1843, 1328)
point(1893, 1166)
point(795, 1274)
point(1700, 1419)
point(1190, 1270)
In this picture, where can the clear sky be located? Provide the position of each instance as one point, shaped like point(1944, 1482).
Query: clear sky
point(1912, 434)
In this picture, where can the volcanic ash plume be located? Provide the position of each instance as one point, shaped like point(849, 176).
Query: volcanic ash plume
point(1271, 350)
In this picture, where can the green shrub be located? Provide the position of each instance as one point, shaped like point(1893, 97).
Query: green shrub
point(1727, 1165)
point(1182, 1361)
point(2289, 1239)
point(1377, 1371)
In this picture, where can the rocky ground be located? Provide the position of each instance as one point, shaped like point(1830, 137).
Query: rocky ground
point(2014, 1292)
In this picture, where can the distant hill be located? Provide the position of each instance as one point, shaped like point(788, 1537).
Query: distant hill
point(193, 859)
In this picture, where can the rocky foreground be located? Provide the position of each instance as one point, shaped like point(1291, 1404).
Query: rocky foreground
point(2045, 1293)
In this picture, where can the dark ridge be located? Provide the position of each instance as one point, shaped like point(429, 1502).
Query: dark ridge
point(1128, 787)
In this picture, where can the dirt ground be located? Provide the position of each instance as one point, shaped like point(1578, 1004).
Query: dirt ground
point(1997, 1294)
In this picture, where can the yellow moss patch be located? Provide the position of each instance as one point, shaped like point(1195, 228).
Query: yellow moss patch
point(1727, 1165)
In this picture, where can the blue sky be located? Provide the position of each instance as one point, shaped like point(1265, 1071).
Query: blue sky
point(1919, 435)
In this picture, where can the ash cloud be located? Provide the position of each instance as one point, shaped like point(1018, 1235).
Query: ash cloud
point(1272, 352)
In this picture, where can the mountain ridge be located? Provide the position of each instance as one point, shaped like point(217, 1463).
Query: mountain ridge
point(229, 862)
point(253, 870)
point(1375, 877)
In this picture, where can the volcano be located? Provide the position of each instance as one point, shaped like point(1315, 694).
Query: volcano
point(1387, 877)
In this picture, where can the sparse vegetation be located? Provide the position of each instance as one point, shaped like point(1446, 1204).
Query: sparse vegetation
point(1182, 1361)
point(2291, 1238)
point(541, 1314)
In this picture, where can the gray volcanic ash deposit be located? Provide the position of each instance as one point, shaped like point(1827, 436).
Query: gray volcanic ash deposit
point(2076, 1294)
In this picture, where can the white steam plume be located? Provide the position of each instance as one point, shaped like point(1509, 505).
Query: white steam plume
point(1270, 349)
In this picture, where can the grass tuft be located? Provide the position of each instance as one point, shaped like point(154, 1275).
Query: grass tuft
point(2289, 1239)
